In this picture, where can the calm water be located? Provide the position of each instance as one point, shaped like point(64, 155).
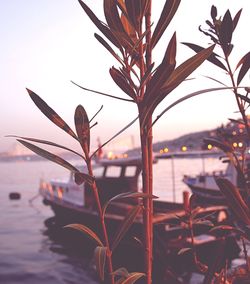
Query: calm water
point(28, 254)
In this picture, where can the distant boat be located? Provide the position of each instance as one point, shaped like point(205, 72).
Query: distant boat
point(75, 204)
point(204, 185)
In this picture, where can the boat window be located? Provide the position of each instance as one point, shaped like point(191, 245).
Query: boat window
point(98, 172)
point(130, 171)
point(113, 171)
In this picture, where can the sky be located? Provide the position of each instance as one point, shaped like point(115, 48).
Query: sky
point(46, 44)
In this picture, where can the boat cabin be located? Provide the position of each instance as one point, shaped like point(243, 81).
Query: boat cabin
point(112, 178)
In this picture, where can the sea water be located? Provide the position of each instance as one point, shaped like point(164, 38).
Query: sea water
point(28, 252)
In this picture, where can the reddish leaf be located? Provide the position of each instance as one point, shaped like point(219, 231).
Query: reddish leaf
point(56, 159)
point(163, 71)
point(125, 225)
point(100, 258)
point(133, 277)
point(136, 10)
point(245, 62)
point(234, 200)
point(244, 98)
point(47, 143)
point(126, 195)
point(167, 14)
point(228, 229)
point(82, 177)
point(86, 231)
point(49, 156)
point(82, 128)
point(176, 78)
point(122, 82)
point(186, 68)
point(123, 272)
point(212, 58)
point(236, 19)
point(51, 114)
point(108, 47)
point(226, 32)
point(114, 22)
point(213, 12)
point(104, 29)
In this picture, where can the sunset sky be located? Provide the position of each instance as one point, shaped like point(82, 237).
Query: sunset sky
point(46, 44)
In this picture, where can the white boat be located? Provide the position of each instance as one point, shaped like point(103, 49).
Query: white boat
point(204, 185)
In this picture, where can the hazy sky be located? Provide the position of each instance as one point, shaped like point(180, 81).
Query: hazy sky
point(45, 44)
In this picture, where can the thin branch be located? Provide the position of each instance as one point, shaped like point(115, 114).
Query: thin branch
point(96, 113)
point(100, 93)
point(118, 133)
point(188, 97)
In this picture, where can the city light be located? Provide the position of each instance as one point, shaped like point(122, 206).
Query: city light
point(184, 148)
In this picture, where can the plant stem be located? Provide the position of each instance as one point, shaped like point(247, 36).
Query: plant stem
point(147, 213)
point(102, 221)
point(245, 254)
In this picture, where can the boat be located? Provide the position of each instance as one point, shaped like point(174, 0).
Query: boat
point(73, 203)
point(204, 184)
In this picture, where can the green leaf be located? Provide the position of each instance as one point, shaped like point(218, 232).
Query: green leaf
point(126, 195)
point(167, 15)
point(47, 143)
point(51, 114)
point(133, 277)
point(125, 225)
point(82, 127)
point(234, 200)
point(86, 231)
point(212, 58)
point(100, 258)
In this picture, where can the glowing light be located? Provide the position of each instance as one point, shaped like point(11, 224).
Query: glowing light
point(234, 133)
point(235, 144)
point(161, 151)
point(110, 155)
point(209, 146)
point(184, 148)
point(165, 150)
point(240, 144)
